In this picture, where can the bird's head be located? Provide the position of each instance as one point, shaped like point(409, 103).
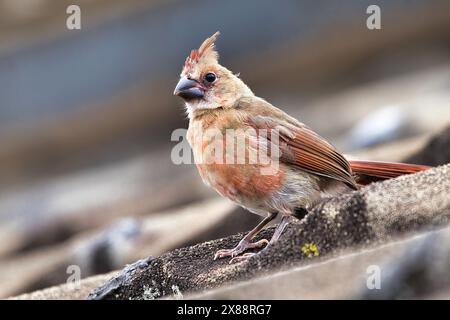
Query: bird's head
point(205, 84)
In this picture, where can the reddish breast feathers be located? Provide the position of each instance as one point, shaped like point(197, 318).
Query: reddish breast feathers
point(225, 169)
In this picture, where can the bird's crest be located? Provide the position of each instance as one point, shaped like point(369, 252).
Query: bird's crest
point(206, 52)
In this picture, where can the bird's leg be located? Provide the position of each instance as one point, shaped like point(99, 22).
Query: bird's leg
point(246, 243)
point(276, 235)
point(279, 229)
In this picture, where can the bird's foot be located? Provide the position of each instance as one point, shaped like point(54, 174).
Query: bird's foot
point(241, 247)
point(243, 257)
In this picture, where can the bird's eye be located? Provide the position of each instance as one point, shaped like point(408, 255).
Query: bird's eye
point(210, 77)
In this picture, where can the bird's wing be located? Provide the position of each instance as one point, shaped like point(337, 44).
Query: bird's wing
point(301, 147)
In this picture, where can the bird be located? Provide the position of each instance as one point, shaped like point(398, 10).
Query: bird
point(300, 168)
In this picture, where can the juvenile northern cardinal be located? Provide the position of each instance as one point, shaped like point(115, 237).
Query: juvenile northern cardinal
point(309, 167)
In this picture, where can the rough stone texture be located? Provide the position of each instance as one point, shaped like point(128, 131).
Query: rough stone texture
point(370, 216)
point(414, 267)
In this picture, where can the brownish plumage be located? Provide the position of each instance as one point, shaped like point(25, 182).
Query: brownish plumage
point(370, 171)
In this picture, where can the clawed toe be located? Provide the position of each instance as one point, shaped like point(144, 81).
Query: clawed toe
point(243, 257)
point(259, 244)
point(223, 253)
point(227, 253)
point(241, 247)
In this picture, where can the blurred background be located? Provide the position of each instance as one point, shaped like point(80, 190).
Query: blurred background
point(86, 115)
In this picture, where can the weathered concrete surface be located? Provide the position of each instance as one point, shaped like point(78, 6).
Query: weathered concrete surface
point(373, 215)
point(127, 240)
point(414, 267)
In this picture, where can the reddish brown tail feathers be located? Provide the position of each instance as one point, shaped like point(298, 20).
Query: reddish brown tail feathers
point(370, 171)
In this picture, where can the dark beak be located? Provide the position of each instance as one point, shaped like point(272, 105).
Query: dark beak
point(189, 89)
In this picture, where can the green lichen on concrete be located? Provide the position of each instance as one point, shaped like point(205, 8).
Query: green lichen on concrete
point(310, 250)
